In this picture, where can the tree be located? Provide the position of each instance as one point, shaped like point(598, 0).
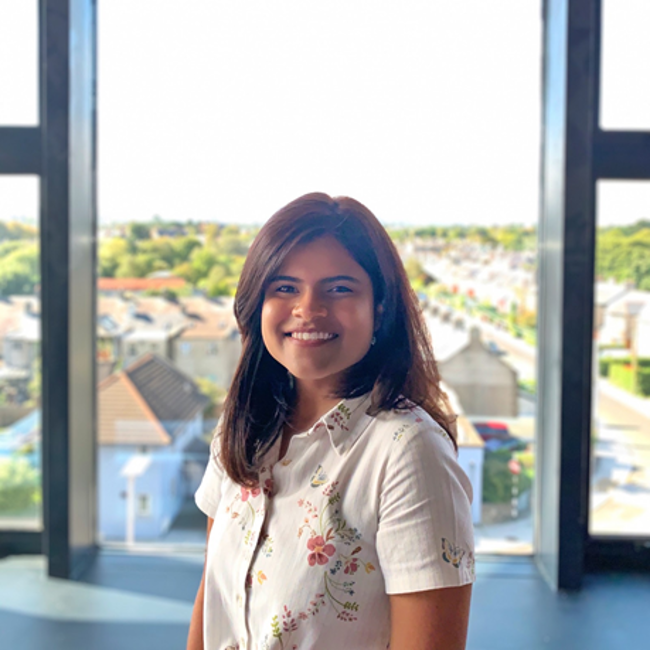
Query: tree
point(231, 244)
point(138, 231)
point(13, 230)
point(217, 283)
point(211, 233)
point(19, 486)
point(19, 271)
point(111, 253)
point(183, 248)
point(133, 266)
point(213, 392)
point(417, 276)
point(202, 260)
point(185, 271)
point(34, 386)
point(7, 247)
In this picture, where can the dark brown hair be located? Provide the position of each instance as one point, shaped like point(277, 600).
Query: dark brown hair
point(399, 370)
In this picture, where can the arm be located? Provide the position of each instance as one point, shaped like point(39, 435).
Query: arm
point(430, 620)
point(195, 635)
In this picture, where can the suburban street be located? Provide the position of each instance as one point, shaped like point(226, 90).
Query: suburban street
point(620, 483)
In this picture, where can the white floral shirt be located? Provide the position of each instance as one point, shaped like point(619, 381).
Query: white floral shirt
point(360, 507)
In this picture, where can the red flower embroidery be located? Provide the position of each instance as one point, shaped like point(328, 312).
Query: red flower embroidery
point(351, 566)
point(268, 487)
point(320, 551)
point(246, 493)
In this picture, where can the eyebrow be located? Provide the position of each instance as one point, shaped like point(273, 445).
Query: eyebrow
point(334, 278)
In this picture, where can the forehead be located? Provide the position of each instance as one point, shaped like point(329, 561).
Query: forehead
point(324, 256)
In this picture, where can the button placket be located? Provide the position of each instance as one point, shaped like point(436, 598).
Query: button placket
point(254, 543)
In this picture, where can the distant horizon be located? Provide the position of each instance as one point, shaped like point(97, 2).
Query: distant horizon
point(388, 226)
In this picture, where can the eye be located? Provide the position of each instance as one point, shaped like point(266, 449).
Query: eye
point(339, 288)
point(285, 288)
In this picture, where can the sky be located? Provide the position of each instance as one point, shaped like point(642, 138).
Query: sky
point(427, 111)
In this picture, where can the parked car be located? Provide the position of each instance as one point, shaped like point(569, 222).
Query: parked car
point(497, 436)
point(495, 349)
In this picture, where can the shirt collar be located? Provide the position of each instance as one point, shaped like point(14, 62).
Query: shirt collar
point(346, 422)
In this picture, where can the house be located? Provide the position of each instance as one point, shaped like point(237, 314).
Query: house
point(484, 383)
point(210, 346)
point(167, 231)
point(18, 314)
point(21, 352)
point(149, 410)
point(643, 332)
point(620, 318)
point(471, 453)
point(150, 325)
point(605, 294)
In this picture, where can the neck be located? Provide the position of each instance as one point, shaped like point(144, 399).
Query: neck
point(312, 403)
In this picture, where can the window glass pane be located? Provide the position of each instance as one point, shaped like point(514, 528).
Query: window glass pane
point(18, 62)
point(20, 355)
point(380, 101)
point(625, 65)
point(620, 479)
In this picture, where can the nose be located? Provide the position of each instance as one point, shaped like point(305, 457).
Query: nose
point(308, 306)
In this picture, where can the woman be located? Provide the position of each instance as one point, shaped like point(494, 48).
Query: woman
point(338, 516)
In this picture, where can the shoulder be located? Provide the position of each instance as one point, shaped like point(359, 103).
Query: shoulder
point(402, 428)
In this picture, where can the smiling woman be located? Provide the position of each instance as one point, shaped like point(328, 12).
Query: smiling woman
point(334, 462)
point(318, 314)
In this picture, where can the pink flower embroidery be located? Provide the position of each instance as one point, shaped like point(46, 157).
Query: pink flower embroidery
point(351, 566)
point(268, 487)
point(320, 551)
point(246, 493)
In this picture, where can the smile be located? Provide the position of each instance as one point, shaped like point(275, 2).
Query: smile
point(311, 336)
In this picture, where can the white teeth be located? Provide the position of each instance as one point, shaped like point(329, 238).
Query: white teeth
point(312, 336)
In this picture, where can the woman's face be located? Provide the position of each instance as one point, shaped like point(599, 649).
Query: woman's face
point(318, 313)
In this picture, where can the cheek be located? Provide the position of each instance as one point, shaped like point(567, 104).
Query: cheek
point(361, 320)
point(272, 315)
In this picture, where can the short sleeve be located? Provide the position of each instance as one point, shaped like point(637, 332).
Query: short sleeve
point(208, 493)
point(425, 537)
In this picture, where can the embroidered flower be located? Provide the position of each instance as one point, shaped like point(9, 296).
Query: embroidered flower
point(321, 552)
point(268, 487)
point(246, 493)
point(351, 566)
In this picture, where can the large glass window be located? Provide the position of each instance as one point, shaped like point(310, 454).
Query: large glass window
point(20, 355)
point(435, 129)
point(625, 65)
point(620, 473)
point(18, 62)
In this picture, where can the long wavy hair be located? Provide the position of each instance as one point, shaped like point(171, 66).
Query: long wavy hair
point(399, 371)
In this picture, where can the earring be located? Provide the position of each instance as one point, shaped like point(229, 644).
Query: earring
point(373, 340)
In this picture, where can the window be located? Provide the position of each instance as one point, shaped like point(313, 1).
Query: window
point(625, 65)
point(19, 63)
point(20, 373)
point(620, 467)
point(144, 505)
point(395, 129)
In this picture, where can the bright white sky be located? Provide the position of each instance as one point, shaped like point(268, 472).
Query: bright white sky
point(428, 111)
